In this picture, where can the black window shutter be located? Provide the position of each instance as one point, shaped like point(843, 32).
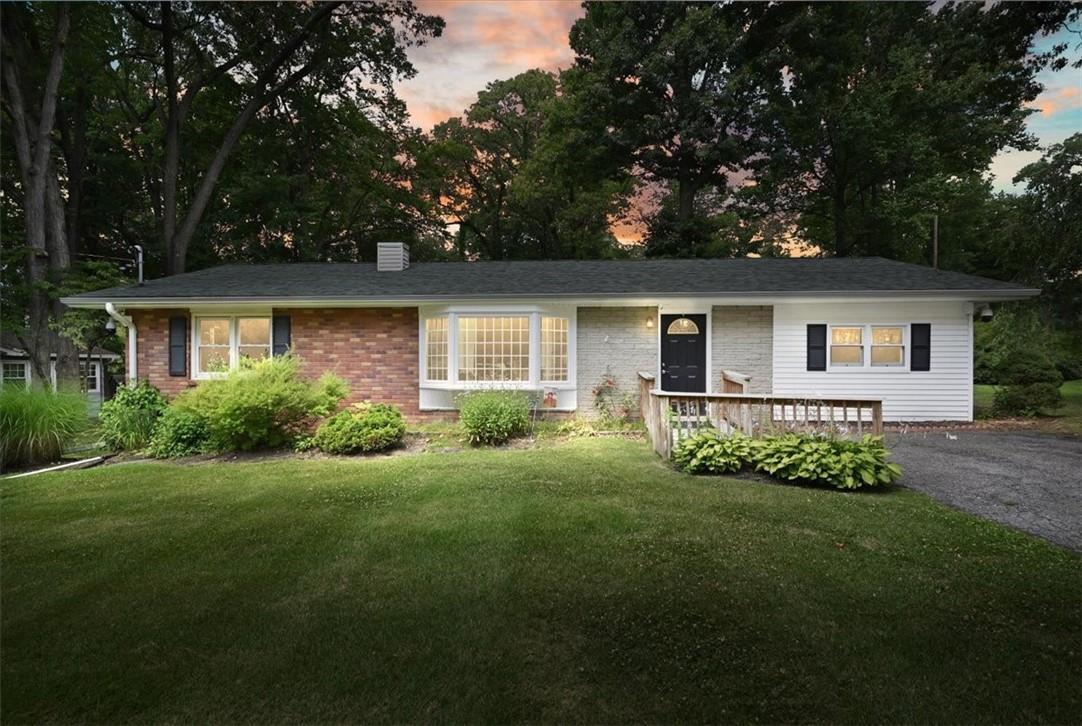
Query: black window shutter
point(281, 334)
point(817, 347)
point(178, 345)
point(920, 339)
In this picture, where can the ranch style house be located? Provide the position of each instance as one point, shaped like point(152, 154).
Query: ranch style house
point(418, 335)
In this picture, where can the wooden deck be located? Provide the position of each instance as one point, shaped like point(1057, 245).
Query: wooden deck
point(671, 416)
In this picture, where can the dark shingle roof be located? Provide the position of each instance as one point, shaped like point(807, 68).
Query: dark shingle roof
point(564, 278)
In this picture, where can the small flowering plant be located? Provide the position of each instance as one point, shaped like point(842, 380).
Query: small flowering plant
point(610, 402)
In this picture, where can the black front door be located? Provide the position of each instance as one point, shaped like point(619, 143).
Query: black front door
point(683, 353)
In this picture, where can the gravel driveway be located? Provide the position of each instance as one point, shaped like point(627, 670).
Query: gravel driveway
point(1025, 480)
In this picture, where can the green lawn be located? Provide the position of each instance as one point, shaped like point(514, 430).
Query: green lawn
point(582, 581)
point(1065, 419)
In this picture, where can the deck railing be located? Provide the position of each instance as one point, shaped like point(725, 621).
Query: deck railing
point(671, 416)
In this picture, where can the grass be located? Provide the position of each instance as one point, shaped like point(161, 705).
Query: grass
point(584, 581)
point(1067, 419)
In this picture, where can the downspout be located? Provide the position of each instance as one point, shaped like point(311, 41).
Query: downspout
point(129, 323)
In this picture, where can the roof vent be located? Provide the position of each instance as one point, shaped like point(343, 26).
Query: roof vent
point(392, 257)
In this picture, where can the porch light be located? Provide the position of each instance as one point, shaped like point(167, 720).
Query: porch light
point(650, 323)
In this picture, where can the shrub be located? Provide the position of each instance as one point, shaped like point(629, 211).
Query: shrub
point(836, 462)
point(365, 427)
point(129, 417)
point(1025, 400)
point(710, 452)
point(180, 432)
point(1030, 382)
point(262, 404)
point(493, 417)
point(35, 424)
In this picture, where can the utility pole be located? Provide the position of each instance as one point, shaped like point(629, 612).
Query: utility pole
point(935, 241)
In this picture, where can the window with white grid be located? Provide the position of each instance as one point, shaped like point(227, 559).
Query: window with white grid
point(554, 349)
point(494, 348)
point(14, 373)
point(89, 372)
point(436, 348)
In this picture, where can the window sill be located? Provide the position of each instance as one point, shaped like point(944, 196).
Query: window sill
point(496, 386)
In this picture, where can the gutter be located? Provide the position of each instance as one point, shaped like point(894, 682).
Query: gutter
point(133, 338)
point(409, 300)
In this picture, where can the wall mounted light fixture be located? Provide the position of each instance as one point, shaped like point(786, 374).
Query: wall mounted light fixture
point(650, 323)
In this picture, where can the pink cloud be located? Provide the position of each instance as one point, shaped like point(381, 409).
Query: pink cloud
point(1054, 100)
point(484, 41)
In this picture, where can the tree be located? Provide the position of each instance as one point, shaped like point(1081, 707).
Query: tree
point(257, 53)
point(676, 84)
point(29, 103)
point(889, 111)
point(87, 328)
point(526, 174)
point(318, 182)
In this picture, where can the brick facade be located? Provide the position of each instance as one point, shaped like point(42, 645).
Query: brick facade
point(373, 349)
point(152, 351)
point(614, 340)
point(743, 341)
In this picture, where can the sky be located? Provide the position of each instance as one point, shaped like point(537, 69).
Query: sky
point(489, 40)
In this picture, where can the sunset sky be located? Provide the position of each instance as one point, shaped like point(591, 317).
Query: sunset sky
point(488, 40)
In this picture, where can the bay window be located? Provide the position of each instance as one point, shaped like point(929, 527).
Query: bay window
point(554, 349)
point(221, 342)
point(436, 349)
point(481, 348)
point(868, 346)
point(494, 348)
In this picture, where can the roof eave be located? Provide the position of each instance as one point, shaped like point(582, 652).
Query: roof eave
point(88, 302)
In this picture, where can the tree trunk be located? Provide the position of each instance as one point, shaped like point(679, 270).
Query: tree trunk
point(67, 356)
point(33, 117)
point(177, 234)
point(73, 126)
point(842, 242)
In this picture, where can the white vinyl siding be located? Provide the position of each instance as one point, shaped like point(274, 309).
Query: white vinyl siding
point(942, 394)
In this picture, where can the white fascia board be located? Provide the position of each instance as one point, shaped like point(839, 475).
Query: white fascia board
point(615, 300)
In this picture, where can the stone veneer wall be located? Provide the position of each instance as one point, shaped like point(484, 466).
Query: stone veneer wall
point(616, 340)
point(743, 341)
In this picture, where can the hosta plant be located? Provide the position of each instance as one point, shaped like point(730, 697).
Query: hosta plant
point(835, 462)
point(711, 452)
